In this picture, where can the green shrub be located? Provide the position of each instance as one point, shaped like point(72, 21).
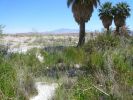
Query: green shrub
point(11, 84)
point(82, 89)
point(102, 42)
point(74, 55)
point(7, 80)
point(53, 58)
point(69, 55)
point(121, 63)
point(97, 60)
point(3, 50)
point(27, 61)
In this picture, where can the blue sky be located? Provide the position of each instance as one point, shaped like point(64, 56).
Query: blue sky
point(45, 15)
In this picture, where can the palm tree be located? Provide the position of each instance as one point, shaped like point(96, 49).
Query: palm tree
point(121, 11)
point(82, 12)
point(105, 14)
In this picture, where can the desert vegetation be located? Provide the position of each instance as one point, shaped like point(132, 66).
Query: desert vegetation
point(100, 68)
point(106, 71)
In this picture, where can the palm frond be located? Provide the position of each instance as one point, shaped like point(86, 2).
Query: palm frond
point(94, 3)
point(105, 10)
point(70, 2)
point(122, 9)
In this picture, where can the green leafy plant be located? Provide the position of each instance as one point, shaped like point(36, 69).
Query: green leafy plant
point(102, 42)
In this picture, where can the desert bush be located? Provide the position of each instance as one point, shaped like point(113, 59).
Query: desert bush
point(7, 80)
point(96, 60)
point(27, 85)
point(121, 62)
point(74, 55)
point(3, 49)
point(28, 62)
point(102, 42)
point(9, 89)
point(13, 85)
point(115, 62)
point(82, 89)
point(69, 55)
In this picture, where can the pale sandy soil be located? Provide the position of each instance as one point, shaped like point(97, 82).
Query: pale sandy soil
point(45, 91)
point(22, 44)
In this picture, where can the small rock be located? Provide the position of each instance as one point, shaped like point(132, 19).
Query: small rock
point(71, 73)
point(77, 66)
point(40, 57)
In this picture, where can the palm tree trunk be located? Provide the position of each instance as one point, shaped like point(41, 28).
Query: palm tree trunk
point(117, 30)
point(108, 30)
point(81, 34)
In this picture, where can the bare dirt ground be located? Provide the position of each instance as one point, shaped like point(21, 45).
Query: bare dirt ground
point(45, 91)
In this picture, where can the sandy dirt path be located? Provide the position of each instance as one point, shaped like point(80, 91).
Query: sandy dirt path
point(45, 91)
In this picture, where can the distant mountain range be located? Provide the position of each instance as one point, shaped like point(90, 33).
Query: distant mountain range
point(63, 30)
point(59, 31)
point(131, 33)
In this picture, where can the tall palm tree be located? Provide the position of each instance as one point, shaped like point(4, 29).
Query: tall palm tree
point(82, 12)
point(105, 14)
point(121, 11)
